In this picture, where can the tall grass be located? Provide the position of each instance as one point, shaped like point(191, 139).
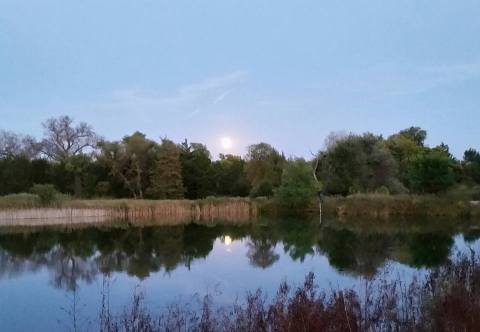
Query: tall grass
point(447, 299)
point(169, 212)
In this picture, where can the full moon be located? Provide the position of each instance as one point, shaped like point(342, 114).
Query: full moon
point(226, 143)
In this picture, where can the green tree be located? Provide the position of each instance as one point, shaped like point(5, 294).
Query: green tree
point(167, 181)
point(358, 164)
point(298, 186)
point(264, 165)
point(416, 134)
point(77, 166)
point(15, 174)
point(432, 172)
point(197, 170)
point(444, 149)
point(230, 177)
point(41, 171)
point(95, 172)
point(405, 151)
point(471, 164)
point(131, 160)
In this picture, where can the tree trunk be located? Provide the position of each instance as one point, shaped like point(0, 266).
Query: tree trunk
point(78, 186)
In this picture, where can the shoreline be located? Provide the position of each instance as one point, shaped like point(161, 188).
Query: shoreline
point(352, 209)
point(161, 212)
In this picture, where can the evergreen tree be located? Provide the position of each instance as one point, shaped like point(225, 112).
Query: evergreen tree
point(230, 178)
point(432, 173)
point(197, 170)
point(167, 180)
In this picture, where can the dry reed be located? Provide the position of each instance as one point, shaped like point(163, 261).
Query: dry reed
point(162, 212)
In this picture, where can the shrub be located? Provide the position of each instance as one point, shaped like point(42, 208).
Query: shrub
point(476, 193)
point(22, 200)
point(298, 186)
point(432, 173)
point(383, 190)
point(263, 189)
point(45, 192)
point(102, 189)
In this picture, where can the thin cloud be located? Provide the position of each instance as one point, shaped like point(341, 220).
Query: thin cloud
point(192, 114)
point(221, 97)
point(409, 80)
point(194, 96)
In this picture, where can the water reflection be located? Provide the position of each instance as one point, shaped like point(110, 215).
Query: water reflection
point(77, 255)
point(261, 252)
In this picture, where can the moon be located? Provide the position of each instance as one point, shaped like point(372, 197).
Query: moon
point(226, 142)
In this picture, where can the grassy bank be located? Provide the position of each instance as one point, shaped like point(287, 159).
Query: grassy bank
point(377, 206)
point(382, 207)
point(211, 210)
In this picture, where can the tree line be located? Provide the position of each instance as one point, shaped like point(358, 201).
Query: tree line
point(76, 160)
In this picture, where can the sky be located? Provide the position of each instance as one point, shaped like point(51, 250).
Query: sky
point(284, 72)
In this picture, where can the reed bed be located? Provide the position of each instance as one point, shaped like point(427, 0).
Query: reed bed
point(162, 212)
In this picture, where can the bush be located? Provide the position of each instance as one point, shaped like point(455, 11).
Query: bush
point(102, 189)
point(45, 192)
point(298, 186)
point(476, 193)
point(383, 190)
point(22, 200)
point(432, 173)
point(263, 189)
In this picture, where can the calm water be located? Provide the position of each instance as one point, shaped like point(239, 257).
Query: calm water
point(48, 277)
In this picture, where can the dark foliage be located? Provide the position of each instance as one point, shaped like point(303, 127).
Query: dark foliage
point(78, 162)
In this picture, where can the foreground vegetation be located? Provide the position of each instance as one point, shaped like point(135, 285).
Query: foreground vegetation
point(446, 299)
point(73, 258)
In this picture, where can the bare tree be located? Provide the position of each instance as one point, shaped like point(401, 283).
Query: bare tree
point(12, 144)
point(62, 140)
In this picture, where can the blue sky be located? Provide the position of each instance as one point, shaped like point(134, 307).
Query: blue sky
point(285, 72)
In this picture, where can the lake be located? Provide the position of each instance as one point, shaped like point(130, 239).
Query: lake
point(53, 279)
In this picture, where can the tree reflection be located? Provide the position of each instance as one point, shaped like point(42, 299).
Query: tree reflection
point(80, 255)
point(261, 253)
point(429, 250)
point(471, 235)
point(68, 270)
